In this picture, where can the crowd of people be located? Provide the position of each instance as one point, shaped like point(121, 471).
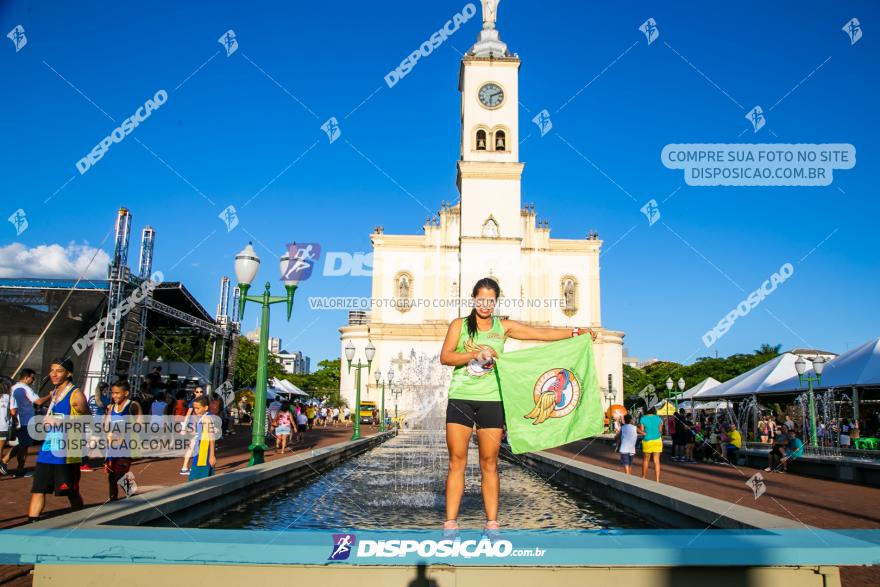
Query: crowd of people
point(288, 420)
point(58, 472)
point(709, 439)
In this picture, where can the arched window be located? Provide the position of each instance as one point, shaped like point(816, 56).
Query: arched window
point(500, 141)
point(481, 140)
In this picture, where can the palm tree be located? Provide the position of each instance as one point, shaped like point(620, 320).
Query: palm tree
point(767, 349)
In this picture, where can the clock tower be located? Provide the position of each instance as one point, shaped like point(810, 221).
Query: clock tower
point(419, 280)
point(489, 170)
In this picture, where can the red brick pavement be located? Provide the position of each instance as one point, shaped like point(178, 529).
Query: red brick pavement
point(815, 502)
point(150, 474)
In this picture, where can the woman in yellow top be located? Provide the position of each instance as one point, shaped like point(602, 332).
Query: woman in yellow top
point(471, 345)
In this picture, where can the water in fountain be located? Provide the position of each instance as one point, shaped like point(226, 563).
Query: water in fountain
point(401, 484)
point(803, 403)
point(748, 414)
point(826, 412)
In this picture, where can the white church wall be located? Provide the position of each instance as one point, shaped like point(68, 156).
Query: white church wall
point(498, 198)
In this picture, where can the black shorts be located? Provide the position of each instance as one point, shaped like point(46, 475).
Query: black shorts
point(61, 480)
point(483, 414)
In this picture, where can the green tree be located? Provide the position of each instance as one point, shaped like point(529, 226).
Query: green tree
point(246, 364)
point(769, 349)
point(722, 369)
point(323, 383)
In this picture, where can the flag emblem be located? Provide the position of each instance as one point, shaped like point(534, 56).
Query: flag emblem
point(556, 395)
point(550, 394)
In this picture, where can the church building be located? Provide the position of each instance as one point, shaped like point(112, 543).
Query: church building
point(418, 279)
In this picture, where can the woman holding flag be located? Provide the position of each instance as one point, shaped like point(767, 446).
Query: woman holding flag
point(471, 346)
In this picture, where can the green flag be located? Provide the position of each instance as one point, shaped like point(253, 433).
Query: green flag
point(550, 394)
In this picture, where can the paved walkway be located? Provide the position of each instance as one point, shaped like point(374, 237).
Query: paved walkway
point(814, 502)
point(150, 474)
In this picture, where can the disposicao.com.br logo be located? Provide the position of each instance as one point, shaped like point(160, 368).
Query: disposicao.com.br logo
point(446, 548)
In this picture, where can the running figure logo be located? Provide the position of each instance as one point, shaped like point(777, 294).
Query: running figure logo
point(756, 117)
point(650, 30)
point(128, 484)
point(331, 127)
point(756, 482)
point(342, 546)
point(853, 30)
point(303, 257)
point(542, 119)
point(557, 393)
point(19, 221)
point(229, 42)
point(229, 216)
point(19, 39)
point(651, 211)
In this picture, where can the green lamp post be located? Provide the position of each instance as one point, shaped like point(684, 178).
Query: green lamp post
point(246, 265)
point(680, 391)
point(370, 352)
point(818, 365)
point(379, 381)
point(396, 391)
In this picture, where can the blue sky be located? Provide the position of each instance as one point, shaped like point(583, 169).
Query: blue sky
point(228, 129)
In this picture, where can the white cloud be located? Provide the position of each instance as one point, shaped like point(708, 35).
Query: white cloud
point(55, 261)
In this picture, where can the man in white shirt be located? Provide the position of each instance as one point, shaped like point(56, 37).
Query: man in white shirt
point(626, 439)
point(21, 406)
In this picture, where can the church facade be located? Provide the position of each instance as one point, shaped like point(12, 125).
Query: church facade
point(422, 282)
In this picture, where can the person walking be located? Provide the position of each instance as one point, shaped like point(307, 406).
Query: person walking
point(652, 442)
point(58, 474)
point(189, 427)
point(22, 400)
point(626, 439)
point(7, 422)
point(301, 424)
point(283, 428)
point(204, 458)
point(118, 461)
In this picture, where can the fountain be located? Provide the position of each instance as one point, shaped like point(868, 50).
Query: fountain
point(747, 418)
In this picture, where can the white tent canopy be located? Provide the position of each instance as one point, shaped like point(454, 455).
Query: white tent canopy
point(758, 380)
point(704, 385)
point(856, 367)
point(706, 406)
point(287, 388)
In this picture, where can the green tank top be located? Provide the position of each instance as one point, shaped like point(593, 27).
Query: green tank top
point(472, 381)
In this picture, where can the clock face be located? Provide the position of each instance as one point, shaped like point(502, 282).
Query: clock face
point(491, 95)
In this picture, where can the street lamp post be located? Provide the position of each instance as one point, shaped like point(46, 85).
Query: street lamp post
point(680, 391)
point(369, 351)
point(818, 365)
point(390, 378)
point(609, 395)
point(396, 391)
point(246, 265)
